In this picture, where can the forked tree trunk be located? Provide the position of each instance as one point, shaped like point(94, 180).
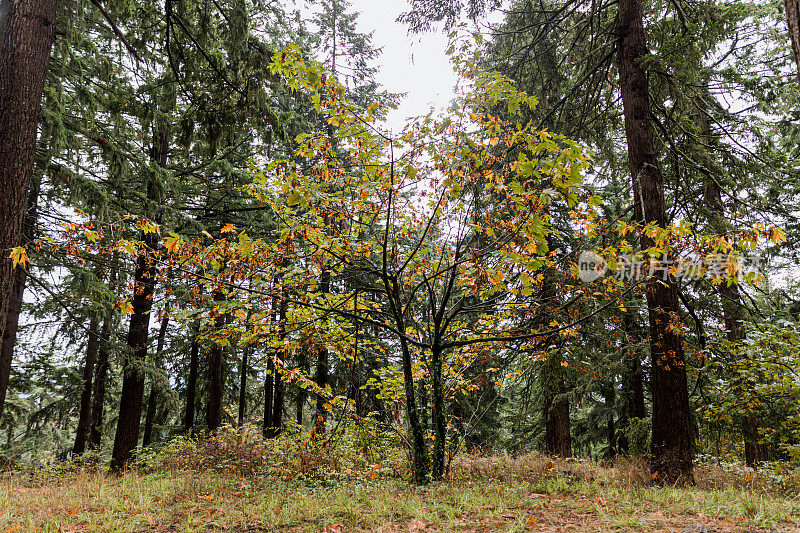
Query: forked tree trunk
point(671, 444)
point(130, 409)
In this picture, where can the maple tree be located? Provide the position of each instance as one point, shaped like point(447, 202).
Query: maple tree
point(422, 286)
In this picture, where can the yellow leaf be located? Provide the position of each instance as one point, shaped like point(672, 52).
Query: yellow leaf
point(125, 306)
point(148, 227)
point(19, 256)
point(227, 228)
point(174, 243)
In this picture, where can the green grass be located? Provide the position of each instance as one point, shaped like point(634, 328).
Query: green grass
point(537, 495)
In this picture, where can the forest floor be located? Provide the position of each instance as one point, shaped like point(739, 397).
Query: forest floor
point(483, 494)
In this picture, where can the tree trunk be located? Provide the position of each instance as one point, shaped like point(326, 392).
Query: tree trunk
point(634, 381)
point(419, 448)
point(101, 371)
point(672, 448)
point(216, 388)
point(152, 400)
point(191, 383)
point(438, 414)
point(277, 408)
point(609, 398)
point(302, 362)
point(243, 386)
point(84, 418)
point(10, 332)
point(14, 310)
point(216, 374)
point(269, 379)
point(269, 396)
point(130, 408)
point(754, 451)
point(558, 441)
point(150, 415)
point(27, 32)
point(322, 370)
point(243, 377)
point(793, 22)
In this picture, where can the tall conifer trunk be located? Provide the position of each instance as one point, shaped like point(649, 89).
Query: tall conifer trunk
point(322, 370)
point(671, 448)
point(216, 373)
point(243, 386)
point(152, 400)
point(101, 368)
point(84, 416)
point(191, 382)
point(27, 32)
point(277, 407)
point(732, 310)
point(792, 8)
point(130, 409)
point(14, 310)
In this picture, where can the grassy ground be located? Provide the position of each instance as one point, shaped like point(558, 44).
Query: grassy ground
point(527, 494)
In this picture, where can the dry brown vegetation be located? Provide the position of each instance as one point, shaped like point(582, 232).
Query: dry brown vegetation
point(217, 492)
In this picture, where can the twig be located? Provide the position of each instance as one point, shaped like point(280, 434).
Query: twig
point(117, 31)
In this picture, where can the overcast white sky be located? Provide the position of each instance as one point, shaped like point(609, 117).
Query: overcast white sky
point(415, 64)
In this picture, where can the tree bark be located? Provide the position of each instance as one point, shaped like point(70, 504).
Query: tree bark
point(152, 400)
point(27, 32)
point(243, 386)
point(792, 8)
point(269, 396)
point(301, 391)
point(322, 370)
point(438, 415)
point(216, 374)
point(634, 381)
point(732, 310)
point(558, 441)
point(277, 407)
point(9, 335)
point(101, 371)
point(84, 417)
point(671, 447)
point(130, 409)
point(191, 383)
